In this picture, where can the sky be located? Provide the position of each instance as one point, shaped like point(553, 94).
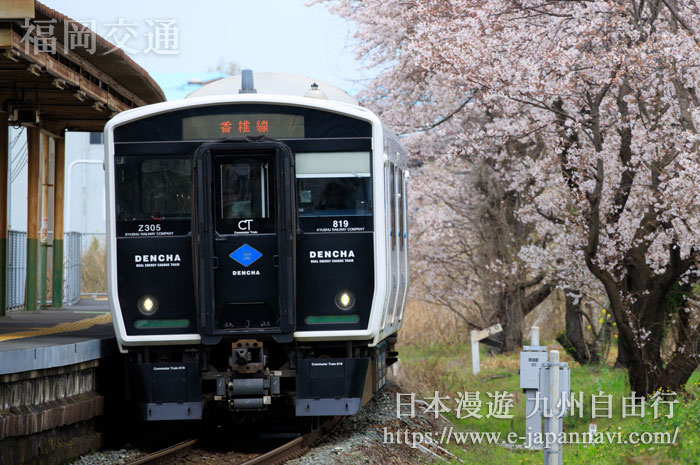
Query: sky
point(263, 35)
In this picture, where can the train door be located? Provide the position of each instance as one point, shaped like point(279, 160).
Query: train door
point(243, 239)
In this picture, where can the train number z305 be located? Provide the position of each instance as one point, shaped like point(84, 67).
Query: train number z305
point(149, 227)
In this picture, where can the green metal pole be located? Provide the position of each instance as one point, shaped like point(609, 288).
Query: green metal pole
point(42, 279)
point(58, 190)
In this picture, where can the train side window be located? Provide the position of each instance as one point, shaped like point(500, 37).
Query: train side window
point(392, 202)
point(405, 207)
point(402, 210)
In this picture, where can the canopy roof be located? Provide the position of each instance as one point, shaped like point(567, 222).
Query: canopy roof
point(70, 89)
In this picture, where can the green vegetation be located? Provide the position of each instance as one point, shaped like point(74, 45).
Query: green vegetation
point(447, 369)
point(94, 268)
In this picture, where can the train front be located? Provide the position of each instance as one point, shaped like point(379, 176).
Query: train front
point(249, 262)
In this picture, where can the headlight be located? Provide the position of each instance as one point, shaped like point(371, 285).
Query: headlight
point(345, 300)
point(148, 305)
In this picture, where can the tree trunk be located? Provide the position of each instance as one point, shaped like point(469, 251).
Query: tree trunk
point(685, 361)
point(677, 372)
point(646, 368)
point(600, 347)
point(643, 355)
point(622, 358)
point(513, 321)
point(515, 305)
point(574, 340)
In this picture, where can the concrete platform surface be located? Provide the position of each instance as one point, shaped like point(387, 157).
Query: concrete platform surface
point(56, 337)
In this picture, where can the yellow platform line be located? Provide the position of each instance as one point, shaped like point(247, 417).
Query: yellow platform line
point(60, 328)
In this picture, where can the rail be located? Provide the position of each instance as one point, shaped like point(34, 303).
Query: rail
point(291, 449)
point(163, 454)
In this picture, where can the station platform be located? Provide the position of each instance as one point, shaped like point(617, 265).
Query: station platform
point(50, 338)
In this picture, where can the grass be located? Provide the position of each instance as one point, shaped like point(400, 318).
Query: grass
point(447, 368)
point(425, 323)
point(94, 268)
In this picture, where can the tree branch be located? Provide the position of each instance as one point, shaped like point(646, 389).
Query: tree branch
point(446, 117)
point(625, 153)
point(682, 22)
point(532, 300)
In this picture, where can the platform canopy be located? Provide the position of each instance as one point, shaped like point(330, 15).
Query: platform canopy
point(77, 86)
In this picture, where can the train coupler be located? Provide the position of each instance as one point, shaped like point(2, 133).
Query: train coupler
point(250, 385)
point(248, 393)
point(247, 356)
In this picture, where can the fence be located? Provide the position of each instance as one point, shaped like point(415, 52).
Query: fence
point(72, 250)
point(17, 268)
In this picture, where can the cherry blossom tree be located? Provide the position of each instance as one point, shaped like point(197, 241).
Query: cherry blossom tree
point(607, 88)
point(465, 244)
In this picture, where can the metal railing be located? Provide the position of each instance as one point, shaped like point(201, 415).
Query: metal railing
point(16, 268)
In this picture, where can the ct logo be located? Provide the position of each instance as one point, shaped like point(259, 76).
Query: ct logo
point(244, 225)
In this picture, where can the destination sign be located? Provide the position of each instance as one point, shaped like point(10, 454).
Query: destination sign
point(277, 125)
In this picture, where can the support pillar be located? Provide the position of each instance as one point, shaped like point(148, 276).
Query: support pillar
point(33, 162)
point(58, 190)
point(44, 228)
point(4, 184)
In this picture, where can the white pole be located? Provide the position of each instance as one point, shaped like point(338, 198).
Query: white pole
point(475, 352)
point(555, 421)
point(66, 220)
point(535, 336)
point(533, 424)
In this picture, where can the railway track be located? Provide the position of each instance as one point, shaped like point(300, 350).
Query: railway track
point(164, 455)
point(287, 451)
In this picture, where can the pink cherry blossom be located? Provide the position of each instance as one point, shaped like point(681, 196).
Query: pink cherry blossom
point(587, 111)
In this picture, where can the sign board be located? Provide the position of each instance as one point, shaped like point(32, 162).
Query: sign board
point(44, 232)
point(530, 362)
point(490, 331)
point(477, 336)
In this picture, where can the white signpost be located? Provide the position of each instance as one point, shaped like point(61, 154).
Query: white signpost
point(532, 358)
point(535, 336)
point(555, 385)
point(550, 382)
point(477, 336)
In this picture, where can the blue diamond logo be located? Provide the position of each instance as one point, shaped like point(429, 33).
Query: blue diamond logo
point(245, 255)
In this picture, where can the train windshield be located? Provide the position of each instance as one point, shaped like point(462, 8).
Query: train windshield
point(244, 194)
point(244, 190)
point(153, 188)
point(334, 184)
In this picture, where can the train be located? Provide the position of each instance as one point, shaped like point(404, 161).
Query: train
point(257, 249)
